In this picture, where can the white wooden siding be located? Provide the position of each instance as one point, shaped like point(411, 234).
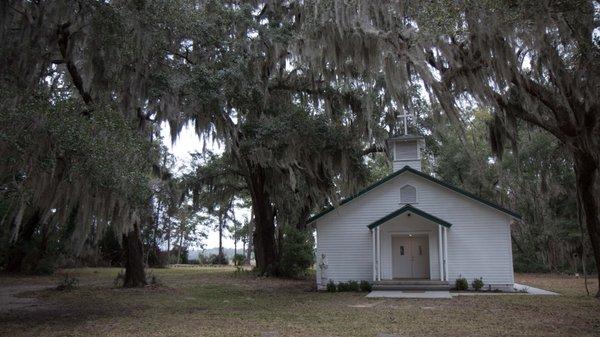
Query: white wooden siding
point(397, 165)
point(479, 243)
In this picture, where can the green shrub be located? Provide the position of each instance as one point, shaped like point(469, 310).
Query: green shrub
point(343, 287)
point(366, 286)
point(348, 286)
point(297, 254)
point(477, 284)
point(353, 286)
point(462, 283)
point(45, 266)
point(153, 279)
point(238, 259)
point(119, 279)
point(67, 283)
point(218, 259)
point(331, 287)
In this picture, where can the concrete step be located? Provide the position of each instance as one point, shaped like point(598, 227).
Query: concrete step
point(408, 281)
point(411, 287)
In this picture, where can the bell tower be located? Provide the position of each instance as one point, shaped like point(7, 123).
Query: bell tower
point(406, 147)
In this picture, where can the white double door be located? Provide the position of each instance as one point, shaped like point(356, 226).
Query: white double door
point(410, 256)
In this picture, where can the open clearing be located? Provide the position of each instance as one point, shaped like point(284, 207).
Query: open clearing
point(198, 301)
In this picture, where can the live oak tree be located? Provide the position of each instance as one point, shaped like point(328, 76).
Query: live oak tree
point(292, 143)
point(534, 61)
point(102, 58)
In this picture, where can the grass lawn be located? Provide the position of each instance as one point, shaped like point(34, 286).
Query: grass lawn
point(218, 302)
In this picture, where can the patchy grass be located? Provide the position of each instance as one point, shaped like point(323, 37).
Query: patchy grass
point(219, 302)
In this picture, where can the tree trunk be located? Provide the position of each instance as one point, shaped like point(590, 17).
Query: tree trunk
point(250, 238)
point(265, 252)
point(169, 241)
point(21, 247)
point(180, 244)
point(220, 234)
point(135, 276)
point(586, 175)
point(304, 214)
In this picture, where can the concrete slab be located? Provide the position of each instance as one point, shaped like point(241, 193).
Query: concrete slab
point(409, 294)
point(534, 291)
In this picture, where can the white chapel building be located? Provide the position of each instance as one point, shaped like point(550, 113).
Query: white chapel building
point(413, 231)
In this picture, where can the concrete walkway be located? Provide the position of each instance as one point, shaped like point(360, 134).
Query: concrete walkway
point(409, 294)
point(534, 291)
point(520, 289)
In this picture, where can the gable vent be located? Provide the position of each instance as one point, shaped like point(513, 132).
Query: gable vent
point(408, 194)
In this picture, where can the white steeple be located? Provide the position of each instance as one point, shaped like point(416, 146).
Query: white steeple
point(406, 151)
point(405, 147)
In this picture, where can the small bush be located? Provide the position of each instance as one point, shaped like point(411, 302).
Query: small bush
point(238, 260)
point(119, 279)
point(153, 280)
point(348, 286)
point(68, 283)
point(366, 286)
point(477, 284)
point(45, 266)
point(353, 286)
point(218, 259)
point(297, 254)
point(343, 286)
point(462, 283)
point(331, 287)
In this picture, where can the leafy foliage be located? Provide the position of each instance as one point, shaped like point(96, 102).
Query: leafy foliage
point(352, 286)
point(238, 259)
point(297, 253)
point(365, 286)
point(537, 181)
point(331, 286)
point(461, 284)
point(477, 284)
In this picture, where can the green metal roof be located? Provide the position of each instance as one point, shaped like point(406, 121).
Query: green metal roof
point(412, 209)
point(420, 174)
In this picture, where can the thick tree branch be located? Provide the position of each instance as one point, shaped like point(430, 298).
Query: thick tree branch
point(518, 111)
point(375, 148)
point(63, 44)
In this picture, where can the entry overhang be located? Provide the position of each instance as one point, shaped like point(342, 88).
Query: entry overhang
point(411, 209)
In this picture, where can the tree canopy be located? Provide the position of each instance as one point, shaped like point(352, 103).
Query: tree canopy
point(300, 97)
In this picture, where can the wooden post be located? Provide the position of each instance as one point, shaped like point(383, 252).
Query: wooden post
point(446, 272)
point(374, 256)
point(440, 254)
point(378, 254)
